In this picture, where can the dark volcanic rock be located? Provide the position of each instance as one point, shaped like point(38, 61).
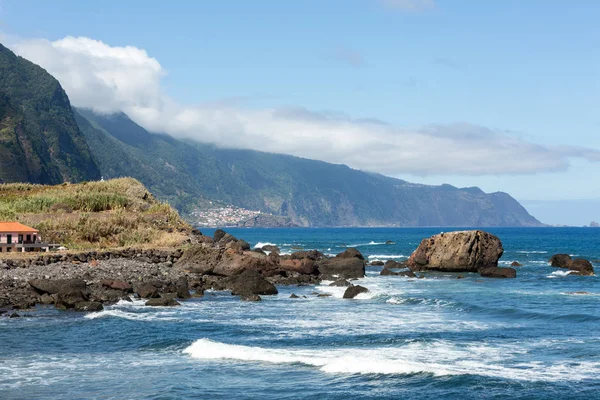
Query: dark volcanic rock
point(561, 260)
point(251, 282)
point(117, 285)
point(351, 253)
point(377, 263)
point(516, 264)
point(250, 297)
point(498, 272)
point(387, 272)
point(162, 302)
point(200, 259)
point(218, 235)
point(88, 306)
point(354, 291)
point(391, 264)
point(314, 255)
point(463, 251)
point(340, 283)
point(579, 265)
point(233, 263)
point(147, 291)
point(346, 265)
point(54, 286)
point(294, 296)
point(304, 266)
point(271, 248)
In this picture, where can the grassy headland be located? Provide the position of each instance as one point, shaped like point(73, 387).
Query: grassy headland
point(94, 215)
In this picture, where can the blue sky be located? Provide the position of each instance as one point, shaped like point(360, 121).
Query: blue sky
point(528, 71)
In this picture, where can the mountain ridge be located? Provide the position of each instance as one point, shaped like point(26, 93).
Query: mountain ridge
point(309, 192)
point(40, 141)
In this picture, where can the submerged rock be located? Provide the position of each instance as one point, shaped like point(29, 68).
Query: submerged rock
point(516, 264)
point(498, 272)
point(162, 302)
point(340, 283)
point(463, 251)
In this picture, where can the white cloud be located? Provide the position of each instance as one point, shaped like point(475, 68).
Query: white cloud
point(108, 78)
point(409, 5)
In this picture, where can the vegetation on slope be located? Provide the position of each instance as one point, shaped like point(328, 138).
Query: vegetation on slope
point(114, 213)
point(39, 139)
point(311, 193)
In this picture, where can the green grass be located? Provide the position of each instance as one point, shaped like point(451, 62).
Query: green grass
point(113, 213)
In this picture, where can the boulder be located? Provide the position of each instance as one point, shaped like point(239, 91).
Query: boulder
point(354, 291)
point(498, 272)
point(462, 251)
point(117, 285)
point(218, 235)
point(343, 267)
point(561, 261)
point(233, 263)
point(387, 272)
point(250, 297)
point(182, 288)
point(390, 242)
point(271, 248)
point(377, 263)
point(303, 266)
point(391, 264)
point(341, 283)
point(251, 282)
point(200, 259)
point(162, 302)
point(294, 296)
point(147, 291)
point(314, 255)
point(582, 267)
point(516, 264)
point(54, 286)
point(578, 265)
point(88, 306)
point(351, 253)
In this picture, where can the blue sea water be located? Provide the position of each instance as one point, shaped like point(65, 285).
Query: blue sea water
point(533, 337)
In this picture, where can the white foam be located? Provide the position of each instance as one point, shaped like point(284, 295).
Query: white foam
point(559, 274)
point(371, 243)
point(437, 358)
point(532, 252)
point(386, 256)
point(260, 245)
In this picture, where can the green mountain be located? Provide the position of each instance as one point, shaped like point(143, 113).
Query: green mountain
point(40, 141)
point(311, 193)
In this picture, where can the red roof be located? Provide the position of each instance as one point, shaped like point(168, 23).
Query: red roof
point(16, 227)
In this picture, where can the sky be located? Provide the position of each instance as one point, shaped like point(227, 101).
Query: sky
point(503, 95)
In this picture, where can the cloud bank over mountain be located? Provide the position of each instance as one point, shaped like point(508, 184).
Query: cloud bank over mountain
point(109, 79)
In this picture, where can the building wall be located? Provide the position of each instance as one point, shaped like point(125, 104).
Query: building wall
point(15, 236)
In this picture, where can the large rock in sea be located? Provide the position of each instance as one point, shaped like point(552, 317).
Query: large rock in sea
point(579, 266)
point(462, 251)
point(349, 264)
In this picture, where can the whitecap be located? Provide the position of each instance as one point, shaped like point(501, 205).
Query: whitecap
point(437, 358)
point(260, 245)
point(559, 274)
point(386, 256)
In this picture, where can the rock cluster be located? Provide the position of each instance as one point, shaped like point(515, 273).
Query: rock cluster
point(578, 266)
point(85, 281)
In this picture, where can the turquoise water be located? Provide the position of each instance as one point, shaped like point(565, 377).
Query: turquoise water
point(433, 338)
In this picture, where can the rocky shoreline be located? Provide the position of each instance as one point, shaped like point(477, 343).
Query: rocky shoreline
point(89, 280)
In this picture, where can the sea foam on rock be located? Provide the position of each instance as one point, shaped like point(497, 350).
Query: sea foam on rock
point(579, 266)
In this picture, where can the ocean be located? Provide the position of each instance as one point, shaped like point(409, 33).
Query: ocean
point(533, 337)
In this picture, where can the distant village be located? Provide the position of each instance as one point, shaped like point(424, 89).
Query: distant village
point(227, 216)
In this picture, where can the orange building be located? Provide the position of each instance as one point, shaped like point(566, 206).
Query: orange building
point(15, 236)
